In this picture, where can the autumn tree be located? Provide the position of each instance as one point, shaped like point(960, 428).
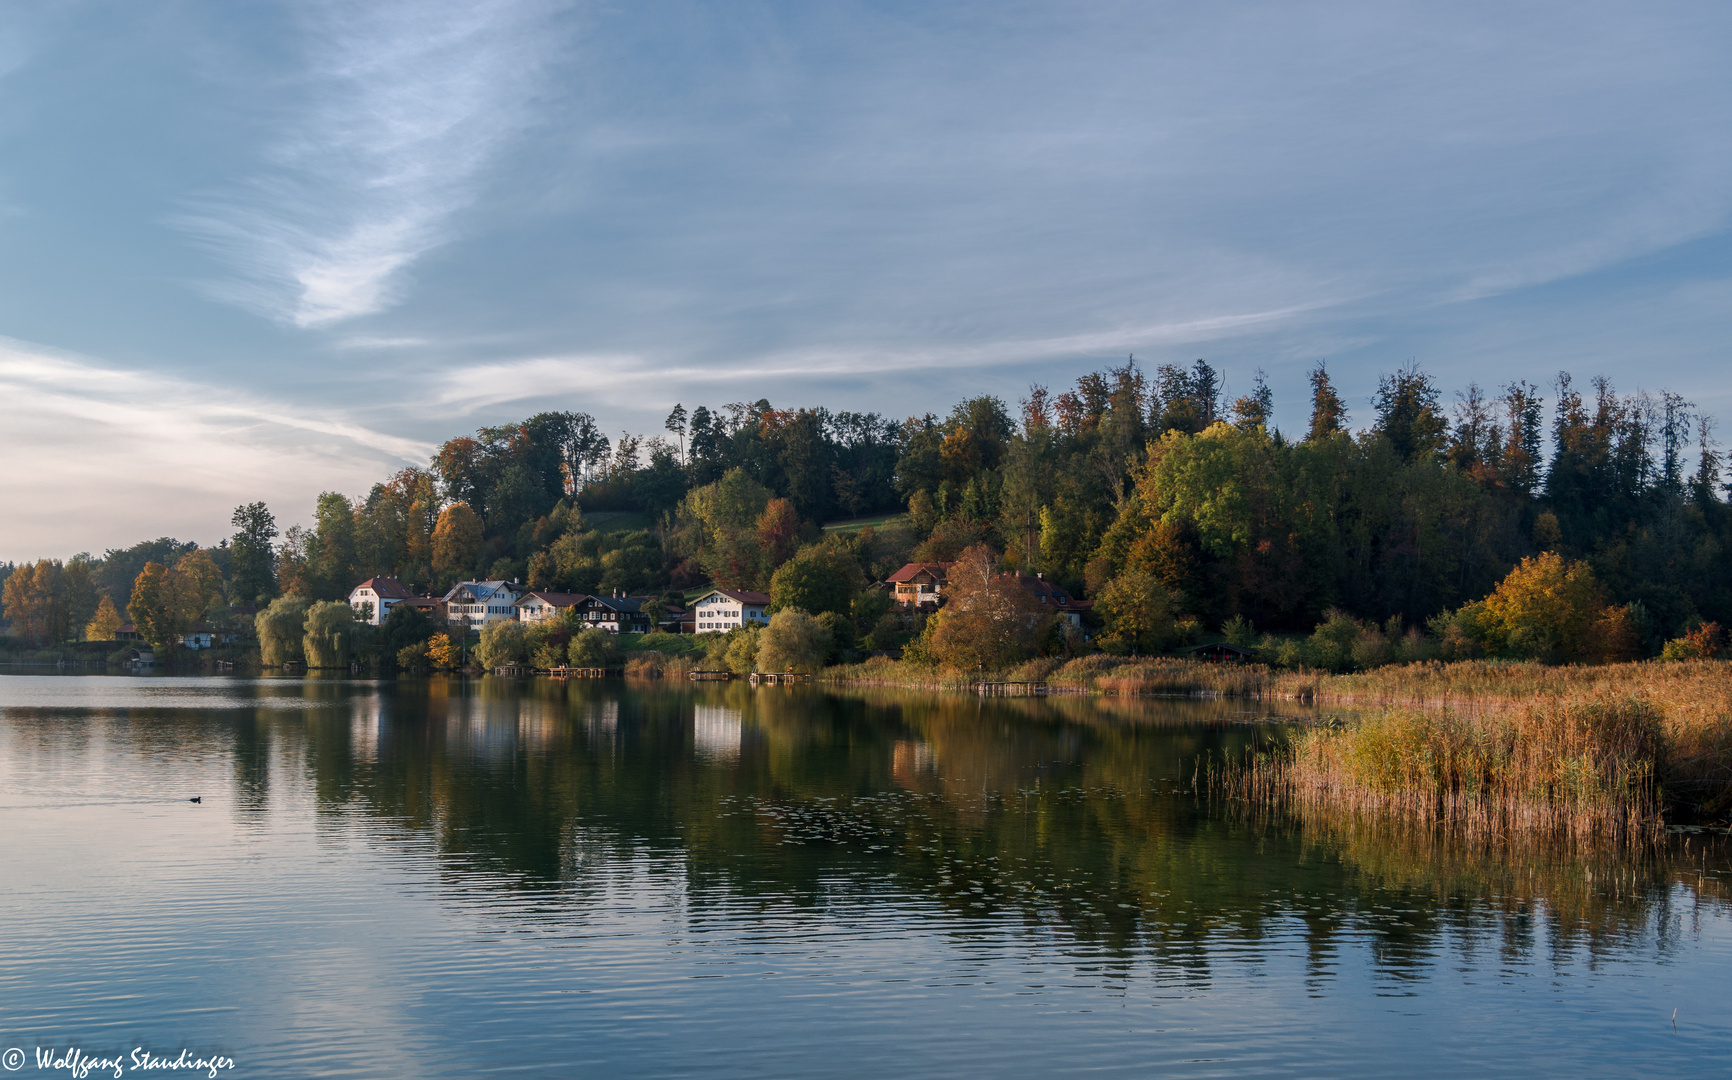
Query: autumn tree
point(1545, 609)
point(1328, 414)
point(457, 541)
point(36, 604)
point(104, 623)
point(159, 607)
point(198, 584)
point(989, 619)
point(778, 533)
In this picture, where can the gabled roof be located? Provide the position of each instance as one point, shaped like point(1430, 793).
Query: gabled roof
point(387, 588)
point(1047, 592)
point(555, 599)
point(915, 569)
point(481, 590)
point(744, 596)
point(625, 604)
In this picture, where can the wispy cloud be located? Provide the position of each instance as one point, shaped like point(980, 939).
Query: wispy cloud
point(611, 376)
point(406, 104)
point(111, 455)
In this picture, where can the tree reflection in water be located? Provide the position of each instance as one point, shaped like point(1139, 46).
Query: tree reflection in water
point(1067, 819)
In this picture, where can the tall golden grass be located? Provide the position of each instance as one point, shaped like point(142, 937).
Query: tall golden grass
point(1582, 771)
point(1487, 743)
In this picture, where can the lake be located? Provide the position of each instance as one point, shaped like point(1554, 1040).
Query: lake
point(447, 877)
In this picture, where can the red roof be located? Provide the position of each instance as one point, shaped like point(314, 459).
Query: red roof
point(386, 588)
point(913, 569)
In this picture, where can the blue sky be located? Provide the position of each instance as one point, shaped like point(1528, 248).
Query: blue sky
point(260, 251)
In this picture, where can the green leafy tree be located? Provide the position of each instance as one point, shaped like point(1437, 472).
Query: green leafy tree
point(329, 635)
point(592, 648)
point(334, 554)
point(793, 641)
point(1138, 612)
point(503, 642)
point(252, 569)
point(816, 580)
point(281, 629)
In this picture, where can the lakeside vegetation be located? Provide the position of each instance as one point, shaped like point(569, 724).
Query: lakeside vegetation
point(1147, 491)
point(1411, 563)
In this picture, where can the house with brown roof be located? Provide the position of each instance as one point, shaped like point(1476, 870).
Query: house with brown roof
point(374, 598)
point(1056, 598)
point(540, 606)
point(919, 584)
point(720, 610)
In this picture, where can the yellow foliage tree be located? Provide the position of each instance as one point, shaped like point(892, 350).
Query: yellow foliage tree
point(442, 652)
point(1546, 609)
point(201, 583)
point(457, 540)
point(104, 623)
point(35, 602)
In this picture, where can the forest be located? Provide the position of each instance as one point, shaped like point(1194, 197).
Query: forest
point(1148, 486)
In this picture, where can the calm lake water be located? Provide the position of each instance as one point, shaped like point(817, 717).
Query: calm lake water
point(447, 878)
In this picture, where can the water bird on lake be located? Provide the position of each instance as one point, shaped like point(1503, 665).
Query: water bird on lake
point(196, 799)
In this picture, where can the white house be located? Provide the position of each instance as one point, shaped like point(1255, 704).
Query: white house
point(472, 604)
point(539, 606)
point(374, 598)
point(729, 609)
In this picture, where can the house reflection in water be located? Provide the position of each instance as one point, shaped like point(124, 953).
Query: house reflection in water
point(601, 723)
point(716, 733)
point(910, 759)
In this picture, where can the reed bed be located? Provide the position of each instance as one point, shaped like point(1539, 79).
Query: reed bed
point(1585, 772)
point(658, 665)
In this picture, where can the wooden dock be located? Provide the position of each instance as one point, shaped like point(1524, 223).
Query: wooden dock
point(585, 672)
point(779, 678)
point(1013, 689)
point(711, 676)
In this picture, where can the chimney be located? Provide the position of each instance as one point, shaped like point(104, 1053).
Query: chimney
point(1040, 575)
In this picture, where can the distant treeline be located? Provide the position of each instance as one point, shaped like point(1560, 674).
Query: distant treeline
point(1412, 509)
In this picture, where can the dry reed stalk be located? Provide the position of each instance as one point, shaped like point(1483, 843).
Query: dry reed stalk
point(1583, 772)
point(657, 665)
